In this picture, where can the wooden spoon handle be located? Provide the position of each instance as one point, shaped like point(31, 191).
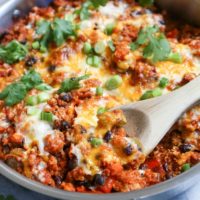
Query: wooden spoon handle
point(163, 112)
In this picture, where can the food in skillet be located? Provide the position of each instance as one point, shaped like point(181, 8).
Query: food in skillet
point(63, 68)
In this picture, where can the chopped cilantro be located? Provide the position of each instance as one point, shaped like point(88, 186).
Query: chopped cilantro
point(98, 3)
point(72, 84)
point(146, 2)
point(163, 82)
point(9, 197)
point(13, 52)
point(17, 91)
point(156, 46)
point(56, 31)
point(111, 45)
point(84, 13)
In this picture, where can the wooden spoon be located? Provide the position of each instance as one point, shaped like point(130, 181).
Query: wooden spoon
point(151, 119)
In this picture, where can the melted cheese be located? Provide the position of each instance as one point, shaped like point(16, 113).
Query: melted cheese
point(112, 10)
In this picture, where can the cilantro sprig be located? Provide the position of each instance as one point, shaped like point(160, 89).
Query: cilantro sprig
point(9, 197)
point(146, 2)
point(13, 52)
point(84, 13)
point(156, 45)
point(56, 31)
point(72, 83)
point(17, 91)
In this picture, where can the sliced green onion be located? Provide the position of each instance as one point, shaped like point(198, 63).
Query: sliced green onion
point(109, 28)
point(69, 17)
point(94, 61)
point(46, 116)
point(95, 142)
point(151, 94)
point(111, 45)
point(163, 82)
point(99, 47)
point(114, 82)
point(101, 110)
point(185, 167)
point(99, 91)
point(43, 87)
point(175, 57)
point(87, 48)
point(36, 45)
point(43, 97)
point(43, 49)
point(31, 100)
point(133, 46)
point(32, 111)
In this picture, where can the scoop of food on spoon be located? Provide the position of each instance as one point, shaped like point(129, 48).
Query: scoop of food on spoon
point(151, 119)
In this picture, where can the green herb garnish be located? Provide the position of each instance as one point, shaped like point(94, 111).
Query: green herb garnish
point(16, 92)
point(13, 52)
point(84, 13)
point(163, 82)
point(72, 84)
point(111, 45)
point(56, 31)
point(9, 197)
point(156, 46)
point(146, 2)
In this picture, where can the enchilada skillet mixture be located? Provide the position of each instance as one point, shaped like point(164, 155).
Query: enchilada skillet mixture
point(63, 67)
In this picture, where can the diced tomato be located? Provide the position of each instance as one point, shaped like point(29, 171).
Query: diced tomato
point(107, 187)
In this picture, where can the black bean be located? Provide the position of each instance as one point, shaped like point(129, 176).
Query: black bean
point(51, 68)
point(3, 34)
point(72, 163)
point(128, 150)
point(64, 126)
point(165, 167)
point(67, 97)
point(107, 136)
point(83, 130)
point(13, 163)
point(30, 61)
point(98, 180)
point(136, 13)
point(162, 22)
point(127, 166)
point(143, 167)
point(58, 180)
point(185, 148)
point(23, 42)
point(6, 149)
point(168, 176)
point(16, 14)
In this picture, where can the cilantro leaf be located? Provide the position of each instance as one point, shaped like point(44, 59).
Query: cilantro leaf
point(13, 52)
point(97, 3)
point(56, 31)
point(146, 2)
point(72, 84)
point(9, 197)
point(17, 91)
point(111, 45)
point(31, 79)
point(84, 13)
point(156, 46)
